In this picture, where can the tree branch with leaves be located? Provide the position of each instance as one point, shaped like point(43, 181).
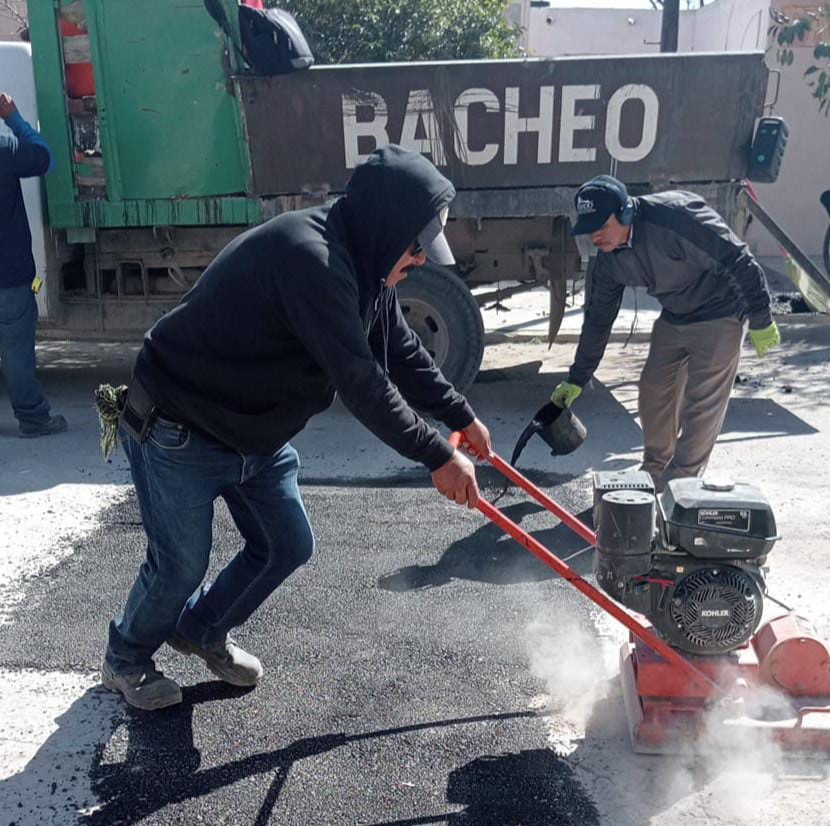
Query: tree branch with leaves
point(381, 31)
point(14, 11)
point(785, 31)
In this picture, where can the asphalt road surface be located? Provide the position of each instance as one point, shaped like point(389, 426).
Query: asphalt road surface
point(397, 688)
point(422, 668)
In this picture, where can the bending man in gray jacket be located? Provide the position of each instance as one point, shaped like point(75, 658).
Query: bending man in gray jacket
point(709, 284)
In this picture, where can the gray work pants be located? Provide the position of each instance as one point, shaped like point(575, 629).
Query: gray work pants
point(684, 391)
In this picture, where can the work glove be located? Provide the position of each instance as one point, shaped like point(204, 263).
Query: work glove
point(564, 394)
point(764, 339)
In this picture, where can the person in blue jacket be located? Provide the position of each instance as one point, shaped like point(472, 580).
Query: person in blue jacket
point(23, 154)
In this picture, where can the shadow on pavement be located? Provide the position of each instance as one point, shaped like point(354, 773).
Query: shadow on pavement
point(145, 762)
point(489, 555)
point(514, 372)
point(126, 797)
point(754, 419)
point(160, 764)
point(531, 788)
point(70, 372)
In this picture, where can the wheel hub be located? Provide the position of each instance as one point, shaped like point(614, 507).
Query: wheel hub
point(430, 326)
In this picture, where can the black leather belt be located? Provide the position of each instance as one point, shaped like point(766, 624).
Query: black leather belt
point(139, 411)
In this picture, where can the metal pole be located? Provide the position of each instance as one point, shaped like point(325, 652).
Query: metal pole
point(524, 23)
point(671, 24)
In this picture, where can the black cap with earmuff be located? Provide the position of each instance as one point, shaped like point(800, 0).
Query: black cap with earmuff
point(597, 200)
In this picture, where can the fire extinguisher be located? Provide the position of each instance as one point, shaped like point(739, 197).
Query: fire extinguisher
point(77, 54)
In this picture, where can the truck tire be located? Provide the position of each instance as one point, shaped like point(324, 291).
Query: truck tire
point(440, 309)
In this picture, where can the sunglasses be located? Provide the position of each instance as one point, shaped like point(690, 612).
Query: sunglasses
point(416, 248)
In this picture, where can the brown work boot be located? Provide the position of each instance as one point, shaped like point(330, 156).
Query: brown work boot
point(144, 688)
point(225, 659)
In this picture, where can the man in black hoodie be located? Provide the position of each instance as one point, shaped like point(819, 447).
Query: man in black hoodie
point(288, 314)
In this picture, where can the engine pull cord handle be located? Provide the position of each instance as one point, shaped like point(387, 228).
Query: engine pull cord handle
point(565, 571)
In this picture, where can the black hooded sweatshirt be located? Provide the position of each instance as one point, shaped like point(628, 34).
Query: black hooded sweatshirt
point(295, 309)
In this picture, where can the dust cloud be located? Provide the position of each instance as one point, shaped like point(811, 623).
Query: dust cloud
point(734, 774)
point(570, 659)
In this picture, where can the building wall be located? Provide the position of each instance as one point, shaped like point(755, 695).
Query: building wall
point(805, 171)
point(729, 25)
point(724, 25)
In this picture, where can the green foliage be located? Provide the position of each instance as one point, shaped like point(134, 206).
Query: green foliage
point(381, 31)
point(784, 32)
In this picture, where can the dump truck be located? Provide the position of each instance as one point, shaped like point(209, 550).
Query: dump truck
point(167, 146)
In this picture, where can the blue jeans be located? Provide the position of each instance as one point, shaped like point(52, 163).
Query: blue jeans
point(18, 322)
point(178, 475)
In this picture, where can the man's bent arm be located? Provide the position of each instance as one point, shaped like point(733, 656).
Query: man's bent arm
point(414, 372)
point(332, 331)
point(31, 155)
point(604, 299)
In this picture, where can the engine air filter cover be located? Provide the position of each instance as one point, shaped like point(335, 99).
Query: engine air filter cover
point(610, 480)
point(733, 521)
point(712, 610)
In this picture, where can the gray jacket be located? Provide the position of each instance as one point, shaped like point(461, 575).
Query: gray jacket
point(685, 256)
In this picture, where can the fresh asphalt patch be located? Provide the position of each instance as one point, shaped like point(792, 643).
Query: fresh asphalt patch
point(397, 682)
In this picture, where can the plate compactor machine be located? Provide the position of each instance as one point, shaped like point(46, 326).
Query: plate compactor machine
point(684, 570)
point(691, 561)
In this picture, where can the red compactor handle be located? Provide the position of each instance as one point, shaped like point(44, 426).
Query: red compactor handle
point(550, 559)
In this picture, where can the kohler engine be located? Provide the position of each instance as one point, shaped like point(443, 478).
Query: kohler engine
point(690, 560)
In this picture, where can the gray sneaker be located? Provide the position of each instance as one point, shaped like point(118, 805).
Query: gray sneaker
point(226, 660)
point(145, 688)
point(47, 426)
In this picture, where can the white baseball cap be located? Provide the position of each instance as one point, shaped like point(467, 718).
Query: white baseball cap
point(433, 241)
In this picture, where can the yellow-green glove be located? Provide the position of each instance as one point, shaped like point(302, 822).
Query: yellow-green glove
point(765, 339)
point(564, 394)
